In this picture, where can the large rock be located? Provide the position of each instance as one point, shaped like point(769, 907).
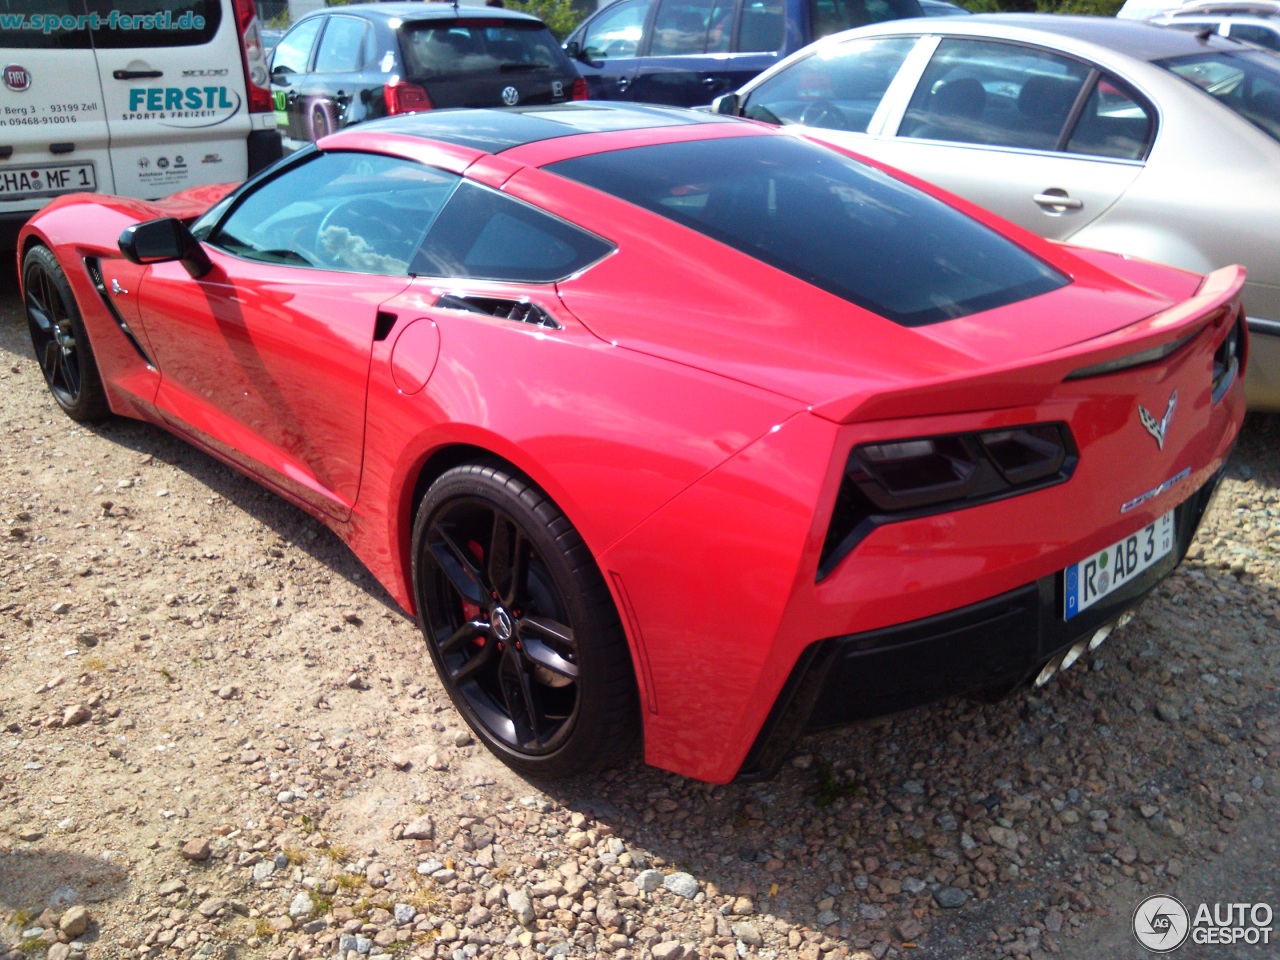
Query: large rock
point(74, 922)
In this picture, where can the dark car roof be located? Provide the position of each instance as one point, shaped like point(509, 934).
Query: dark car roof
point(497, 129)
point(1136, 38)
point(425, 11)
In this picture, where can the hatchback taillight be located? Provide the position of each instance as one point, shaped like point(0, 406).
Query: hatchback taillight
point(402, 97)
point(580, 91)
point(253, 58)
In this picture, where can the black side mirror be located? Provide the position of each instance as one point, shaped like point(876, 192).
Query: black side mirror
point(727, 104)
point(163, 241)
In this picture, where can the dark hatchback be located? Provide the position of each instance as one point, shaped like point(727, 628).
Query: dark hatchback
point(687, 52)
point(342, 65)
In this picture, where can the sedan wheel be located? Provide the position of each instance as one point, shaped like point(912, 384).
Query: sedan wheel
point(520, 625)
point(59, 338)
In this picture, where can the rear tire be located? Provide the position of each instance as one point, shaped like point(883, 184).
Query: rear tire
point(59, 338)
point(520, 625)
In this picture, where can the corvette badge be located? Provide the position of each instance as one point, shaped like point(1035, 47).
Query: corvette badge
point(1157, 428)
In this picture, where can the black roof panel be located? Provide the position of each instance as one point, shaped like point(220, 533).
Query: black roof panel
point(499, 129)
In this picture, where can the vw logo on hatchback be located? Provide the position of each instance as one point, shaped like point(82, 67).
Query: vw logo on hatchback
point(510, 96)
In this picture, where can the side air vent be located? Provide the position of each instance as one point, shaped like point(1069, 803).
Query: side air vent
point(521, 311)
point(94, 269)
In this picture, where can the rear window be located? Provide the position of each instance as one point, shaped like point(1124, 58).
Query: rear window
point(827, 220)
point(1245, 82)
point(466, 48)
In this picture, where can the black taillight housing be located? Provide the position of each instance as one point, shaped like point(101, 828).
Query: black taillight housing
point(904, 479)
point(1228, 359)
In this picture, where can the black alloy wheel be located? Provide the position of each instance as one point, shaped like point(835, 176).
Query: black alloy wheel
point(520, 625)
point(59, 339)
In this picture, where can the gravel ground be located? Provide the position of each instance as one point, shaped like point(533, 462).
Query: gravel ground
point(219, 738)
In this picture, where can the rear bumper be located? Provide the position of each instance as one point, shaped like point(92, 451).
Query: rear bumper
point(1262, 379)
point(996, 645)
point(11, 223)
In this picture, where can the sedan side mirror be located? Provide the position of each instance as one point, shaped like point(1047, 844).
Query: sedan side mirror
point(728, 104)
point(163, 241)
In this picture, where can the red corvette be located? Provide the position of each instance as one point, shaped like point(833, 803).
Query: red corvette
point(666, 425)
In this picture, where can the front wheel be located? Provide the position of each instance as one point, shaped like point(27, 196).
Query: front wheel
point(59, 338)
point(520, 624)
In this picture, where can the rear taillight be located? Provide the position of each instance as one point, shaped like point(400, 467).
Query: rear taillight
point(1228, 359)
point(903, 479)
point(580, 91)
point(257, 81)
point(402, 97)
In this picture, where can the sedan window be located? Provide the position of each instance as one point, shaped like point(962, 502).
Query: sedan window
point(1113, 123)
point(355, 212)
point(466, 48)
point(1247, 83)
point(838, 88)
point(1000, 94)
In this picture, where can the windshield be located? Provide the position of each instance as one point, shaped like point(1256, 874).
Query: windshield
point(467, 48)
point(827, 220)
point(1247, 82)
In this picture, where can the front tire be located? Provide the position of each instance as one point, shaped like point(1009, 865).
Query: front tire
point(59, 338)
point(521, 626)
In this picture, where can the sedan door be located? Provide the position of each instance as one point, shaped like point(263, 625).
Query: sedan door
point(1045, 141)
point(265, 358)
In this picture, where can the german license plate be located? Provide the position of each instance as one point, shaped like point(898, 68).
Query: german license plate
point(1095, 577)
point(46, 180)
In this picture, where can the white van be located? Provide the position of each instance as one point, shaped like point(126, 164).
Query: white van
point(134, 97)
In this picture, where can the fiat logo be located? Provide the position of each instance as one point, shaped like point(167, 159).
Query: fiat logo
point(18, 78)
point(510, 96)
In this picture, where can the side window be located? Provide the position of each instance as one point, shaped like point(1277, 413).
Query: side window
point(16, 33)
point(1001, 94)
point(484, 235)
point(837, 89)
point(681, 27)
point(294, 50)
point(342, 46)
point(1254, 33)
point(1113, 123)
point(355, 212)
point(763, 26)
point(616, 32)
point(832, 16)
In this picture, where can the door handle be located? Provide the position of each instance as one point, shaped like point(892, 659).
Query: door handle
point(711, 82)
point(1057, 198)
point(623, 83)
point(136, 74)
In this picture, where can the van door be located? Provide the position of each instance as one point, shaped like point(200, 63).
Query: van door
point(610, 46)
point(53, 126)
point(174, 87)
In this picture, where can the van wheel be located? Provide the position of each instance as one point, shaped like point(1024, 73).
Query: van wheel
point(59, 338)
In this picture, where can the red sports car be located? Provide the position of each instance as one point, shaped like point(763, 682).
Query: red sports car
point(666, 425)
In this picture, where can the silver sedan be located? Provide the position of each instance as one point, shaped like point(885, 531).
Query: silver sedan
point(1112, 134)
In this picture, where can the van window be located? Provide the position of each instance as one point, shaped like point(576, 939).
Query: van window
point(136, 23)
point(683, 27)
point(37, 25)
point(616, 33)
point(832, 16)
point(763, 26)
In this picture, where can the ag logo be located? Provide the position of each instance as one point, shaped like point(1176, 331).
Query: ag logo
point(510, 96)
point(17, 78)
point(1161, 924)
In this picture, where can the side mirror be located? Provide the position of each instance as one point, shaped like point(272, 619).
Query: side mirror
point(163, 241)
point(727, 104)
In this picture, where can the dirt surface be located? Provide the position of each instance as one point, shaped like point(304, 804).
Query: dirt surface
point(219, 738)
